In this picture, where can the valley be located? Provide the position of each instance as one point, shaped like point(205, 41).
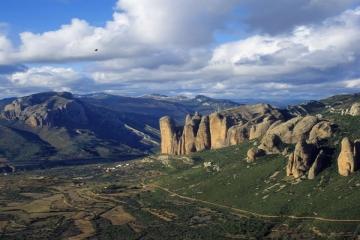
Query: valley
point(201, 190)
point(158, 197)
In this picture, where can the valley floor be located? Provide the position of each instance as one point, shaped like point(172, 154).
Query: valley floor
point(177, 198)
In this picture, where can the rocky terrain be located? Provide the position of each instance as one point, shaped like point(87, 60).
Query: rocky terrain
point(248, 172)
point(217, 130)
point(295, 133)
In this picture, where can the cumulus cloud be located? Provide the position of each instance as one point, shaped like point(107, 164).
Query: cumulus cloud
point(169, 47)
point(162, 29)
point(45, 76)
point(308, 48)
point(282, 15)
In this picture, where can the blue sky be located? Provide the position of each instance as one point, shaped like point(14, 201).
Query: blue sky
point(46, 15)
point(235, 49)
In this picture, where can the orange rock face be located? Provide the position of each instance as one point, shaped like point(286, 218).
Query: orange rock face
point(167, 130)
point(219, 126)
point(347, 159)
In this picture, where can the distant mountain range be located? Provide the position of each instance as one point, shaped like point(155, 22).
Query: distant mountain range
point(59, 127)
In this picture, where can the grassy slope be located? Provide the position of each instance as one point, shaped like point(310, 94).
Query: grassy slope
point(243, 185)
point(22, 146)
point(250, 186)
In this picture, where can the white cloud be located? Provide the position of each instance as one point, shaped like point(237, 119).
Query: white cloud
point(168, 47)
point(185, 22)
point(161, 29)
point(353, 83)
point(5, 48)
point(279, 16)
point(46, 76)
point(320, 47)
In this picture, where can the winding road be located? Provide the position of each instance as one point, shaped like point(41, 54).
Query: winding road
point(237, 210)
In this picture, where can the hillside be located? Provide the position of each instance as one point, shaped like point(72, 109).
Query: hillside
point(327, 204)
point(57, 128)
point(156, 105)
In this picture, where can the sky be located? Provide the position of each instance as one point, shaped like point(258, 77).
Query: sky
point(277, 50)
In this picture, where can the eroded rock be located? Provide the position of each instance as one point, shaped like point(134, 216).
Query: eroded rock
point(219, 126)
point(168, 136)
point(253, 153)
point(203, 138)
point(347, 159)
point(320, 131)
point(237, 134)
point(355, 109)
point(301, 159)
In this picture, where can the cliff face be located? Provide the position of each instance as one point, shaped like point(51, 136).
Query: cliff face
point(348, 160)
point(47, 110)
point(167, 128)
point(218, 130)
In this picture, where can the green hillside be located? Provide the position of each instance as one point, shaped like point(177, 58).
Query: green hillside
point(263, 188)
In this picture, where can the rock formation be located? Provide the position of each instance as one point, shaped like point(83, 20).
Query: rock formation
point(168, 136)
point(320, 131)
point(301, 159)
point(47, 110)
point(318, 165)
point(347, 160)
point(291, 132)
point(219, 126)
point(355, 109)
point(254, 153)
point(235, 126)
point(188, 138)
point(259, 130)
point(218, 130)
point(237, 134)
point(203, 140)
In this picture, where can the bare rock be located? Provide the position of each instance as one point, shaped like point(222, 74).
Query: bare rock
point(219, 126)
point(254, 153)
point(285, 130)
point(320, 131)
point(259, 130)
point(290, 132)
point(168, 134)
point(346, 160)
point(47, 110)
point(301, 159)
point(271, 144)
point(203, 139)
point(303, 128)
point(355, 109)
point(188, 138)
point(318, 165)
point(237, 134)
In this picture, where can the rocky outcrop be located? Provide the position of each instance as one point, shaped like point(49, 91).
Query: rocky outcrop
point(254, 153)
point(259, 130)
point(355, 109)
point(47, 110)
point(348, 157)
point(219, 126)
point(310, 128)
point(168, 136)
point(203, 139)
point(301, 159)
point(188, 139)
point(318, 165)
point(248, 122)
point(218, 130)
point(321, 131)
point(237, 134)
